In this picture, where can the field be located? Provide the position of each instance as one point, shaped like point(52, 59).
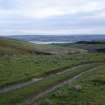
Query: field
point(68, 74)
point(89, 89)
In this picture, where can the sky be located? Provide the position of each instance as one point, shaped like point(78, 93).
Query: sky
point(52, 17)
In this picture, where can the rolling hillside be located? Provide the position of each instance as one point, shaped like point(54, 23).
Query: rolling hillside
point(12, 46)
point(29, 71)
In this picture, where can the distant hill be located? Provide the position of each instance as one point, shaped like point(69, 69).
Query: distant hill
point(13, 46)
point(90, 42)
point(10, 46)
point(60, 38)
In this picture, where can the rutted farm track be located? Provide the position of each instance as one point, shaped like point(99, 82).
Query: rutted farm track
point(9, 88)
point(62, 77)
point(69, 81)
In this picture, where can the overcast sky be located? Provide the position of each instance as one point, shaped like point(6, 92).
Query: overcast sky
point(18, 17)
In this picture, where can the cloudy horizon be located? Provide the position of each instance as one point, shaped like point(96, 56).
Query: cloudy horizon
point(21, 17)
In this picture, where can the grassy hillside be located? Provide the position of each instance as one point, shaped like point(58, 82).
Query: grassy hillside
point(89, 89)
point(27, 93)
point(91, 46)
point(21, 62)
point(12, 46)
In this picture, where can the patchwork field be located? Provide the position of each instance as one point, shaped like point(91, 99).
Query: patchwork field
point(67, 74)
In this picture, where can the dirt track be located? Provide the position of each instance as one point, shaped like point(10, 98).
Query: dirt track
point(34, 80)
point(34, 98)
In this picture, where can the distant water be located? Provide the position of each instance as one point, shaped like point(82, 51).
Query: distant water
point(41, 42)
point(48, 39)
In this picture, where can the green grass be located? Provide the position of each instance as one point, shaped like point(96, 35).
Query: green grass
point(22, 68)
point(19, 64)
point(92, 92)
point(22, 94)
point(21, 61)
point(17, 47)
